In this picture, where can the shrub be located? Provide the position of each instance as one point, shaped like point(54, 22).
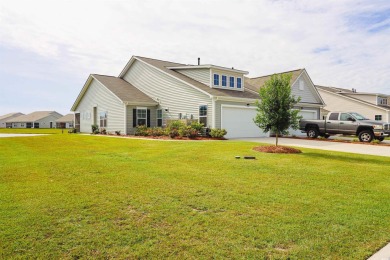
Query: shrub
point(217, 133)
point(118, 132)
point(197, 126)
point(142, 130)
point(174, 128)
point(156, 131)
point(188, 131)
point(355, 140)
point(103, 131)
point(95, 129)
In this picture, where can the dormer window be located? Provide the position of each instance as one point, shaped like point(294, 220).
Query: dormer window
point(382, 101)
point(238, 82)
point(216, 79)
point(231, 82)
point(224, 81)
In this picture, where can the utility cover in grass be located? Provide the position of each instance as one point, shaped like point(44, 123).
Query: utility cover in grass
point(276, 149)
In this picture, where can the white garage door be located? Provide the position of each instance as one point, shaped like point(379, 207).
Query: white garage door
point(238, 122)
point(306, 114)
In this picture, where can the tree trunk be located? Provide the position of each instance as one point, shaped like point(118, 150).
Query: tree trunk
point(277, 138)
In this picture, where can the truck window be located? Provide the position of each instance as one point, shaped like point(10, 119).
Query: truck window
point(345, 117)
point(334, 116)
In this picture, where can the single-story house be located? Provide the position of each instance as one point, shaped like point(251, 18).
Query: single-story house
point(66, 121)
point(374, 106)
point(38, 119)
point(5, 118)
point(150, 92)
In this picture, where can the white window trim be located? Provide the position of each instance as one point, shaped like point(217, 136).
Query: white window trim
point(234, 83)
point(214, 79)
point(207, 113)
point(301, 84)
point(225, 81)
point(157, 118)
point(237, 82)
point(146, 115)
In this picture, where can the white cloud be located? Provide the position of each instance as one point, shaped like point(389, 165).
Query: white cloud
point(341, 43)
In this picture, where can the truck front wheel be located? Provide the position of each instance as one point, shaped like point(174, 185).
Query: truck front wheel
point(366, 136)
point(312, 133)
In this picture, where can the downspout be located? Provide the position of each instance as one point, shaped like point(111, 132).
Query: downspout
point(125, 114)
point(214, 105)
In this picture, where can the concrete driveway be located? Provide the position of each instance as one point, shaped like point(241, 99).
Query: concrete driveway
point(324, 145)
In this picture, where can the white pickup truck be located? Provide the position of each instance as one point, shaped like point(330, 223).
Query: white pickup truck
point(348, 123)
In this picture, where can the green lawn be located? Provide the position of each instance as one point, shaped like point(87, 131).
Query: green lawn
point(75, 196)
point(32, 131)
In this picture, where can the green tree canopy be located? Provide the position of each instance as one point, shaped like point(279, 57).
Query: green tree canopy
point(275, 109)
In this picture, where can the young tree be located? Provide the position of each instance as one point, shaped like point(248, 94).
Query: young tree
point(275, 110)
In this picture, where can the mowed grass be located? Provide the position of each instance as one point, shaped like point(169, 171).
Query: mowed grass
point(33, 131)
point(74, 196)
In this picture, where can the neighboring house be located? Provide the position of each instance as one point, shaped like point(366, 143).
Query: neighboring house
point(374, 106)
point(311, 102)
point(151, 92)
point(66, 121)
point(38, 119)
point(5, 118)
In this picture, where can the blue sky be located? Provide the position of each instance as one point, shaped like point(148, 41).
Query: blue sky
point(48, 48)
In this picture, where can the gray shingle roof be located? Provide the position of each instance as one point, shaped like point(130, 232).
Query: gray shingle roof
point(256, 83)
point(66, 118)
point(11, 115)
point(37, 115)
point(163, 65)
point(123, 89)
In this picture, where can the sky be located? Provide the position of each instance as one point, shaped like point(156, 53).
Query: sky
point(49, 48)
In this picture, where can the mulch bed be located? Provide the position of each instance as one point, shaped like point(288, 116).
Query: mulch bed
point(199, 138)
point(276, 149)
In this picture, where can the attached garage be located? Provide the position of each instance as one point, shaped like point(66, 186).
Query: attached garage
point(238, 122)
point(306, 114)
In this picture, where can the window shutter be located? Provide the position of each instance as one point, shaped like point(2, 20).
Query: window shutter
point(134, 117)
point(148, 118)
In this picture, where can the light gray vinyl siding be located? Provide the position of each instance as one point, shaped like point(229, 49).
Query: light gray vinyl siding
point(45, 122)
point(105, 101)
point(173, 95)
point(201, 75)
point(308, 94)
point(218, 110)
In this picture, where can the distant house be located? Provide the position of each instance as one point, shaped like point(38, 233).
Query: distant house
point(38, 119)
point(5, 118)
point(375, 106)
point(150, 92)
point(66, 121)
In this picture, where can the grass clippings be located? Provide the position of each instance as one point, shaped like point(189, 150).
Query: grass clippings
point(276, 149)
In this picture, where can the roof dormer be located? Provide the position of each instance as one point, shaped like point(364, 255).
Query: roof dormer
point(214, 76)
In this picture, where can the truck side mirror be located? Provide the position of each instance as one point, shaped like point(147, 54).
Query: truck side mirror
point(351, 119)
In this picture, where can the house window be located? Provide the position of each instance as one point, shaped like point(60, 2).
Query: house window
point(382, 101)
point(159, 117)
point(203, 115)
point(231, 82)
point(224, 81)
point(378, 117)
point(103, 119)
point(238, 82)
point(216, 79)
point(141, 116)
